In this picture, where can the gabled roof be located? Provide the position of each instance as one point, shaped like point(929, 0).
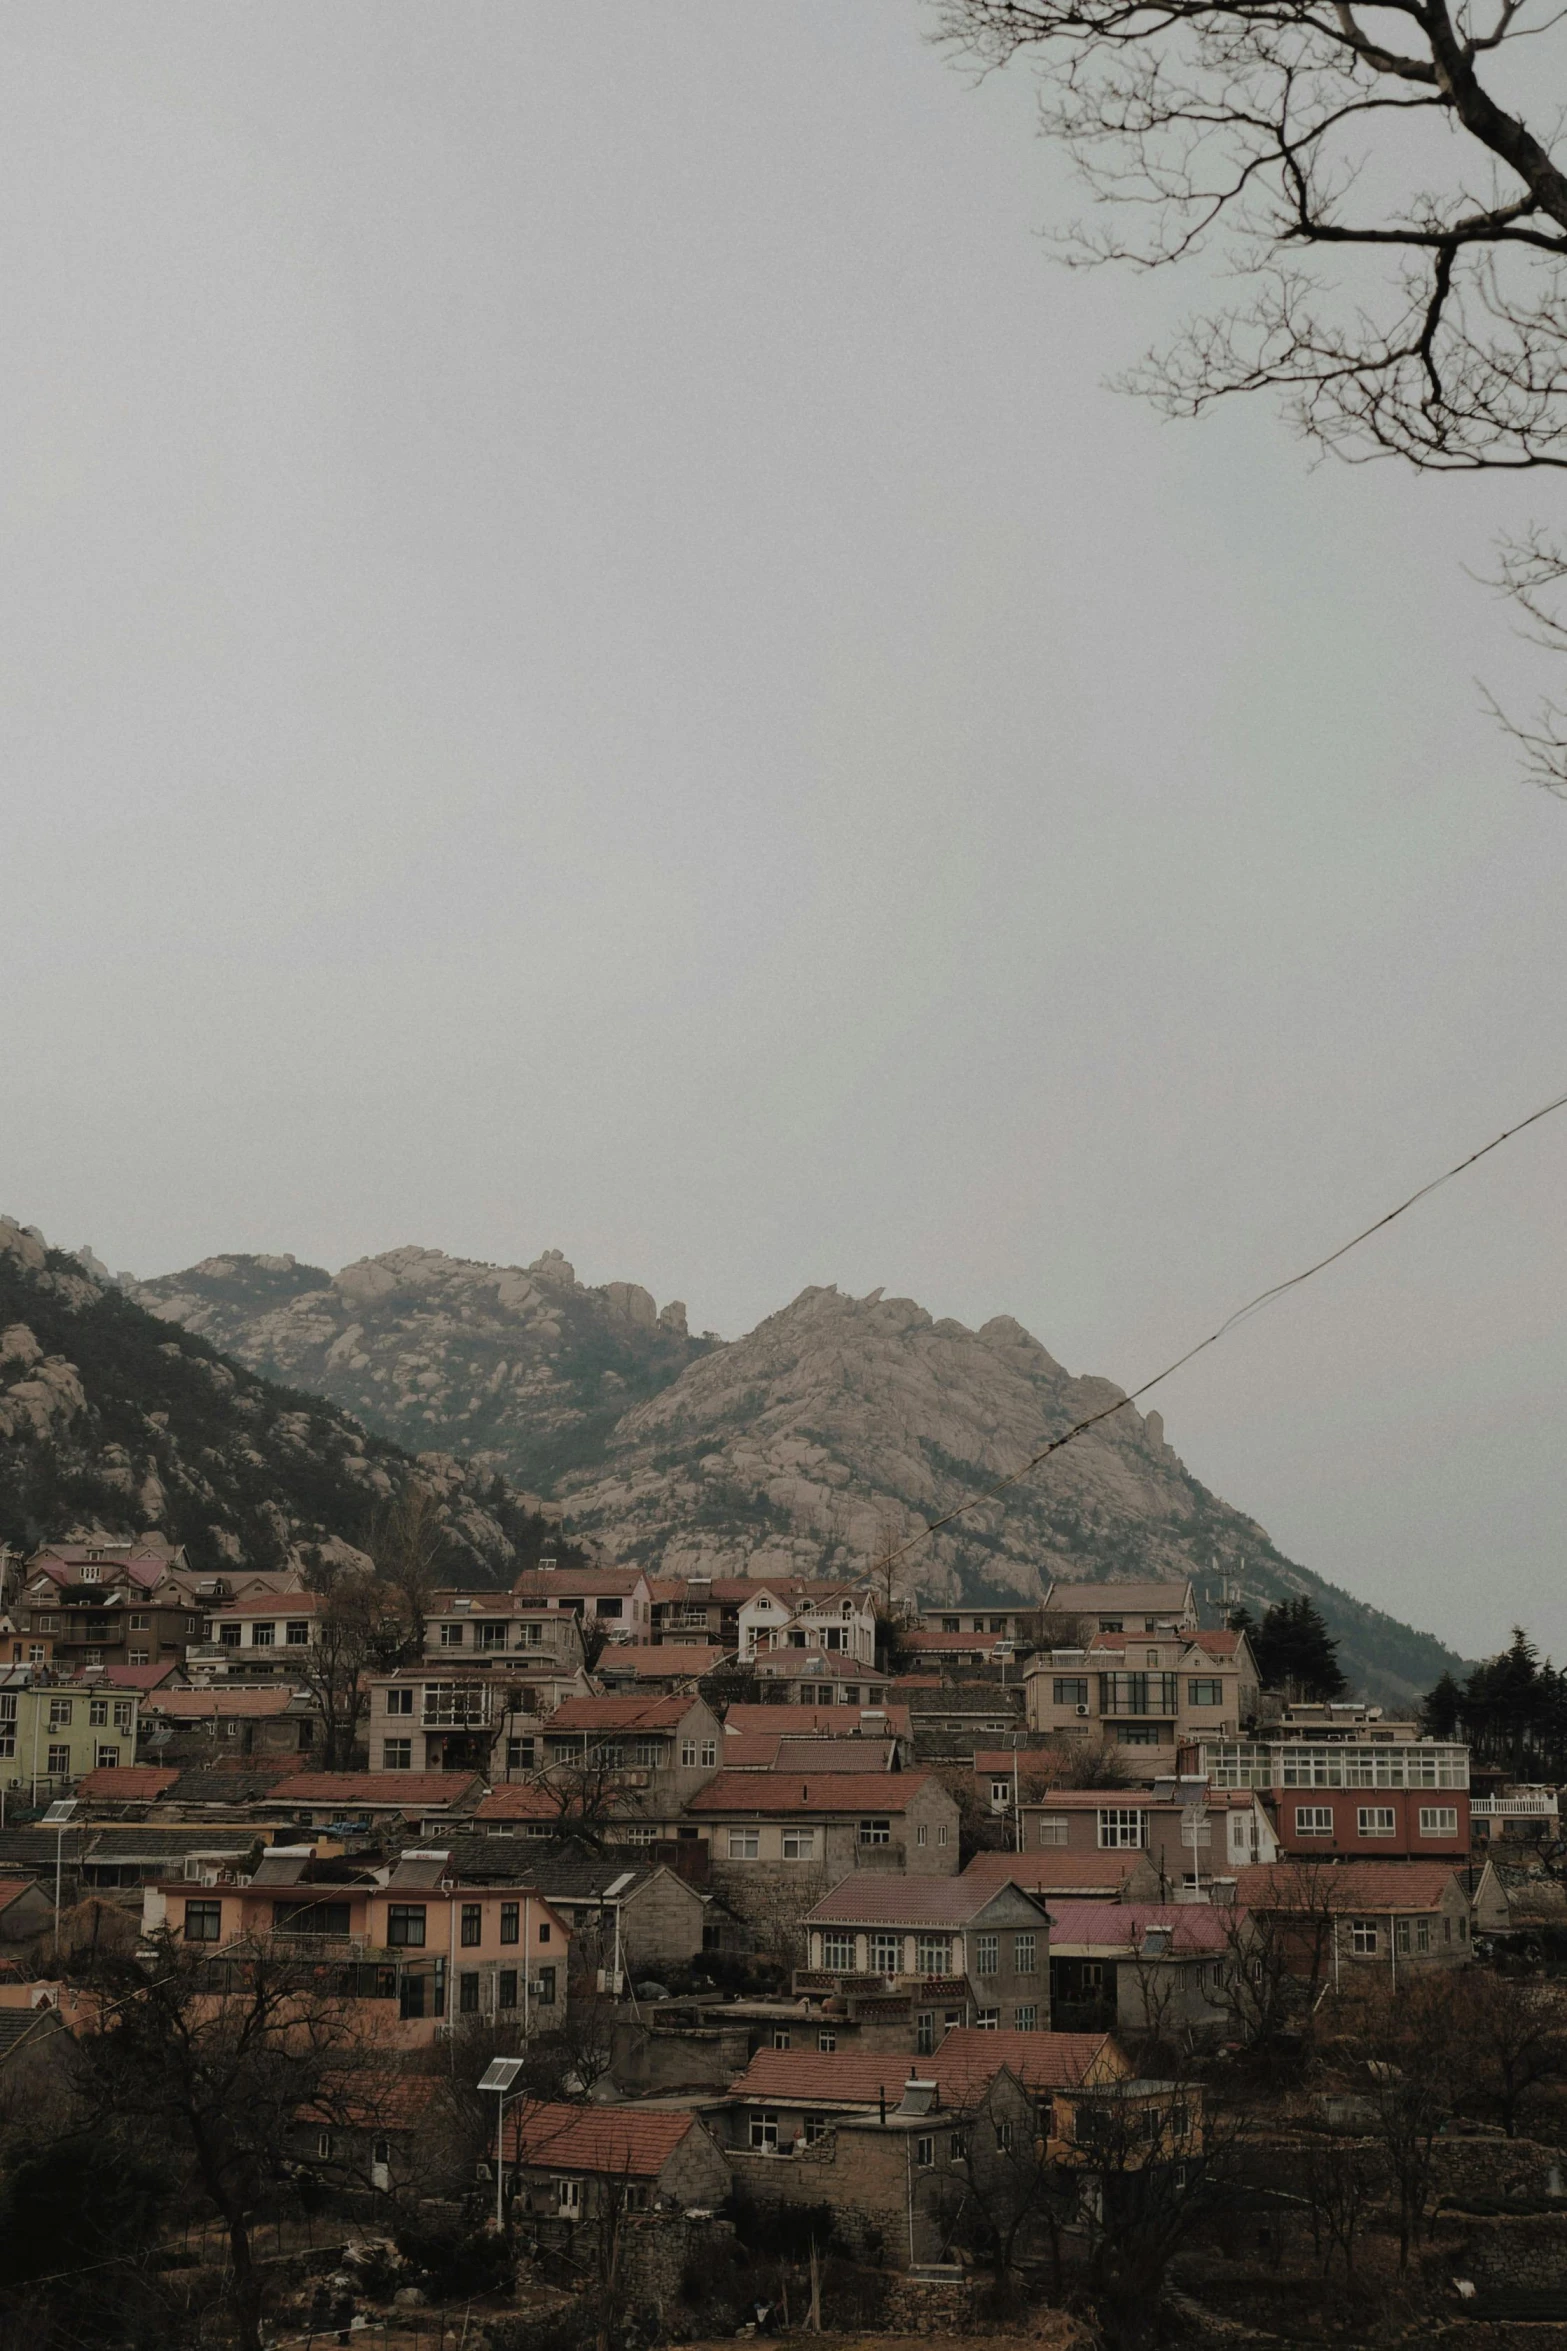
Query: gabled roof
point(968, 2060)
point(846, 2077)
point(623, 2142)
point(373, 2101)
point(873, 1897)
point(1055, 1871)
point(12, 1890)
point(673, 1660)
point(812, 1755)
point(577, 1583)
point(139, 1677)
point(1111, 1599)
point(1345, 1885)
point(408, 1791)
point(620, 1714)
point(963, 2068)
point(776, 1792)
point(128, 1783)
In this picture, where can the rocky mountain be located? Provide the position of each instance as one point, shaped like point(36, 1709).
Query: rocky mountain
point(520, 1368)
point(112, 1420)
point(824, 1438)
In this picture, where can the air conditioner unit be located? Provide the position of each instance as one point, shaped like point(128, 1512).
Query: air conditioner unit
point(1082, 1710)
point(610, 1979)
point(538, 1989)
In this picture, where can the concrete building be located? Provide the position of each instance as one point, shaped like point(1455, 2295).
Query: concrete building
point(773, 1831)
point(1191, 1832)
point(53, 1732)
point(966, 1953)
point(1125, 1608)
point(1149, 1693)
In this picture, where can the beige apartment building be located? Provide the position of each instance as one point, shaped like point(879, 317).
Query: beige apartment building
point(1150, 1693)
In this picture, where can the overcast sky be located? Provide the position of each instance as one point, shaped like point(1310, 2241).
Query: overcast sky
point(587, 661)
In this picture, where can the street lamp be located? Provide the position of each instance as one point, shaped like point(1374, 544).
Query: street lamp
point(498, 2076)
point(58, 1818)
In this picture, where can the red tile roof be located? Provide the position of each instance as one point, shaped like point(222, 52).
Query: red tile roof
point(1193, 1926)
point(963, 2068)
point(128, 1782)
point(618, 2140)
point(139, 1677)
point(519, 1803)
point(1345, 1885)
point(373, 2101)
point(207, 1705)
point(409, 1791)
point(1053, 1871)
point(663, 1662)
point(576, 1583)
point(792, 1722)
point(784, 1792)
point(873, 1897)
point(12, 1889)
point(968, 2060)
point(620, 1714)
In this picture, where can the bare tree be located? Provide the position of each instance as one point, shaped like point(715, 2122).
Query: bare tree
point(1385, 189)
point(358, 1631)
point(1512, 2035)
point(1340, 2185)
point(1404, 2048)
point(411, 1548)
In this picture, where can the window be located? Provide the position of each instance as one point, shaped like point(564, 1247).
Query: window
point(399, 1701)
point(1071, 1690)
point(1025, 2019)
point(324, 2146)
point(987, 1954)
point(397, 1755)
point(1112, 1624)
point(1363, 1938)
point(827, 2040)
point(521, 1754)
point(59, 1764)
point(1120, 1829)
point(635, 2197)
point(744, 1844)
point(296, 1633)
point(764, 2130)
point(568, 2197)
point(544, 1932)
point(933, 1954)
point(451, 1636)
point(124, 1713)
point(491, 1635)
point(1006, 2137)
point(506, 1988)
point(1205, 1691)
point(925, 2153)
point(203, 1922)
point(875, 1832)
point(688, 1754)
point(709, 1751)
point(782, 2037)
point(799, 1844)
point(228, 1636)
point(838, 1952)
point(952, 1624)
point(1376, 1820)
point(1000, 1795)
point(1052, 1828)
point(530, 1636)
point(1313, 1820)
point(920, 1834)
point(1401, 1934)
point(886, 1954)
point(137, 1657)
point(1025, 1953)
point(1439, 1820)
point(108, 1758)
point(816, 2128)
point(988, 2020)
point(472, 1933)
point(98, 1711)
point(141, 1624)
point(405, 1926)
point(611, 1608)
point(263, 1636)
point(380, 2150)
point(546, 1983)
point(468, 1995)
point(59, 1714)
point(511, 1922)
point(925, 2033)
point(1422, 1934)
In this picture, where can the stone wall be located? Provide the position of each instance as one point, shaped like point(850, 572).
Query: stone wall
point(1514, 2250)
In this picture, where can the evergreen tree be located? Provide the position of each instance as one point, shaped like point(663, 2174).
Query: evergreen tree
point(1441, 1709)
point(1296, 1652)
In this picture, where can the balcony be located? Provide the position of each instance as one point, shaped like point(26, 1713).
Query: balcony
point(457, 1706)
point(1523, 1804)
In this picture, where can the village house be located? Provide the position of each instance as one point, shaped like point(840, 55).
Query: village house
point(964, 1953)
point(103, 1602)
point(652, 1753)
point(615, 1601)
point(1126, 1875)
point(53, 1732)
point(1192, 1833)
point(771, 1833)
point(26, 1910)
point(706, 1609)
point(1144, 1967)
point(370, 2130)
point(817, 1678)
point(238, 1719)
point(757, 1752)
point(629, 1916)
point(1124, 1608)
point(436, 1948)
point(502, 1629)
point(1149, 1693)
point(1355, 1915)
point(263, 1634)
point(744, 1720)
point(1012, 1620)
point(949, 1650)
point(1354, 1786)
point(476, 1719)
point(632, 1668)
point(839, 1623)
point(585, 2165)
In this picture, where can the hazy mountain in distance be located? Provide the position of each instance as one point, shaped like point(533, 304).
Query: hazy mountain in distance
point(837, 1427)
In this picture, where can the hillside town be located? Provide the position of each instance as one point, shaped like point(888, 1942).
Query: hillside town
point(694, 1955)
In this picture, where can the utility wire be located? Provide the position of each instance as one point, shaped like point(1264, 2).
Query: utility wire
point(1241, 1314)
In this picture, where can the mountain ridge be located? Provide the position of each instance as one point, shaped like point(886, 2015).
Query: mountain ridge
point(818, 1442)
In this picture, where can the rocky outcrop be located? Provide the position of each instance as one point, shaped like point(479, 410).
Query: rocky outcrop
point(112, 1420)
point(519, 1367)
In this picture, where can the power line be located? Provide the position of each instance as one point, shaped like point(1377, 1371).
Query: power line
point(1241, 1314)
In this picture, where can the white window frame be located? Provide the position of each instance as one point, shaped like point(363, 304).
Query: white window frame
point(1376, 1820)
point(1313, 1820)
point(1439, 1820)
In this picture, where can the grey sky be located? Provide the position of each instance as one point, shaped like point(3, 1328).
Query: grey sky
point(587, 661)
